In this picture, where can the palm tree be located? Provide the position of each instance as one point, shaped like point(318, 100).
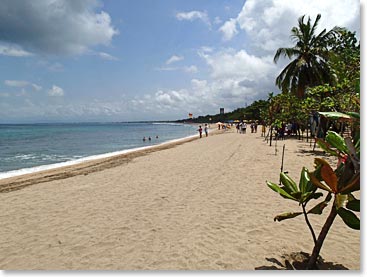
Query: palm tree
point(310, 65)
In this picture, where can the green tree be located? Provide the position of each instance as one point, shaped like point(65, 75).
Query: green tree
point(310, 55)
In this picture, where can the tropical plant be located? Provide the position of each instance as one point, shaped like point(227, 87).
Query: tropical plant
point(339, 184)
point(303, 193)
point(311, 54)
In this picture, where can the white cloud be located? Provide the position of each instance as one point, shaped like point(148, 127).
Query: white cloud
point(193, 15)
point(51, 66)
point(217, 20)
point(191, 69)
point(174, 59)
point(56, 91)
point(268, 23)
point(187, 69)
point(206, 49)
point(166, 68)
point(36, 87)
point(238, 64)
point(22, 84)
point(16, 83)
point(13, 51)
point(229, 29)
point(107, 56)
point(236, 78)
point(54, 27)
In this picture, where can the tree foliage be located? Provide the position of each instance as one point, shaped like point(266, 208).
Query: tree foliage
point(310, 55)
point(339, 101)
point(251, 112)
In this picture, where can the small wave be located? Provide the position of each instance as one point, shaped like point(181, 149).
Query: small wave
point(168, 123)
point(23, 171)
point(42, 157)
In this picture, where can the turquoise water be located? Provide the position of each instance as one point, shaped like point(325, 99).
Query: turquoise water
point(34, 145)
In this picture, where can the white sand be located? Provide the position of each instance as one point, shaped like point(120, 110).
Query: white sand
point(199, 205)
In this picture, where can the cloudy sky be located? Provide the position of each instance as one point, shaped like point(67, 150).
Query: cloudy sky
point(94, 60)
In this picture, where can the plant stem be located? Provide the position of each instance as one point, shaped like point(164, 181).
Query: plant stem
point(308, 223)
point(320, 240)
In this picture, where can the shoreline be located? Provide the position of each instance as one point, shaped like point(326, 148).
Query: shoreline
point(40, 168)
point(18, 179)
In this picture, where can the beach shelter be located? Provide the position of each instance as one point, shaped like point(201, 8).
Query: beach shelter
point(336, 115)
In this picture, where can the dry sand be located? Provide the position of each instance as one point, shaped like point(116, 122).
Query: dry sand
point(200, 205)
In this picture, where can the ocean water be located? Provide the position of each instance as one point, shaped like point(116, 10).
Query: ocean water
point(34, 147)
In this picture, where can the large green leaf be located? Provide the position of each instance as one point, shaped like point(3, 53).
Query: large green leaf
point(318, 208)
point(288, 182)
point(353, 203)
point(279, 190)
point(310, 195)
point(349, 218)
point(337, 141)
point(326, 147)
point(297, 194)
point(305, 184)
point(284, 216)
point(354, 115)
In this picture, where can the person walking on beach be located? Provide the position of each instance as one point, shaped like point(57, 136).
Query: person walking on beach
point(200, 131)
point(244, 126)
point(206, 130)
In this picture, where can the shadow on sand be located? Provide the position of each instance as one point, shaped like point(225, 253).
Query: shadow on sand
point(298, 261)
point(311, 152)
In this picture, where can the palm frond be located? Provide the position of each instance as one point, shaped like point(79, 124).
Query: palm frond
point(285, 52)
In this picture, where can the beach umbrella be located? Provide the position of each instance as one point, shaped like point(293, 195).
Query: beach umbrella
point(336, 115)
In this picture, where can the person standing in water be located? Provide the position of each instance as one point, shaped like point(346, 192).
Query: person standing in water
point(200, 131)
point(206, 130)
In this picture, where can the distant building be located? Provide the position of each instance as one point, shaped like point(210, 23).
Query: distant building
point(221, 110)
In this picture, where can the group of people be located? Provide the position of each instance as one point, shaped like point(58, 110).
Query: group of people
point(149, 138)
point(287, 129)
point(206, 130)
point(242, 126)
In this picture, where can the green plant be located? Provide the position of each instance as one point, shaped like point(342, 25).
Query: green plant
point(339, 184)
point(303, 193)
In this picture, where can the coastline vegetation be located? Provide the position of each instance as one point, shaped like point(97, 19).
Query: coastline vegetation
point(320, 84)
point(323, 79)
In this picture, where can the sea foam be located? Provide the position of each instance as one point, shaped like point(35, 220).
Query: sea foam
point(40, 168)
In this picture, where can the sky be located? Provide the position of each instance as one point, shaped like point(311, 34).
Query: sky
point(94, 60)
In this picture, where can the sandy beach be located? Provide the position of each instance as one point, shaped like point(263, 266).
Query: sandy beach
point(201, 204)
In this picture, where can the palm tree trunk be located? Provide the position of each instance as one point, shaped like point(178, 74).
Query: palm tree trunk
point(320, 240)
